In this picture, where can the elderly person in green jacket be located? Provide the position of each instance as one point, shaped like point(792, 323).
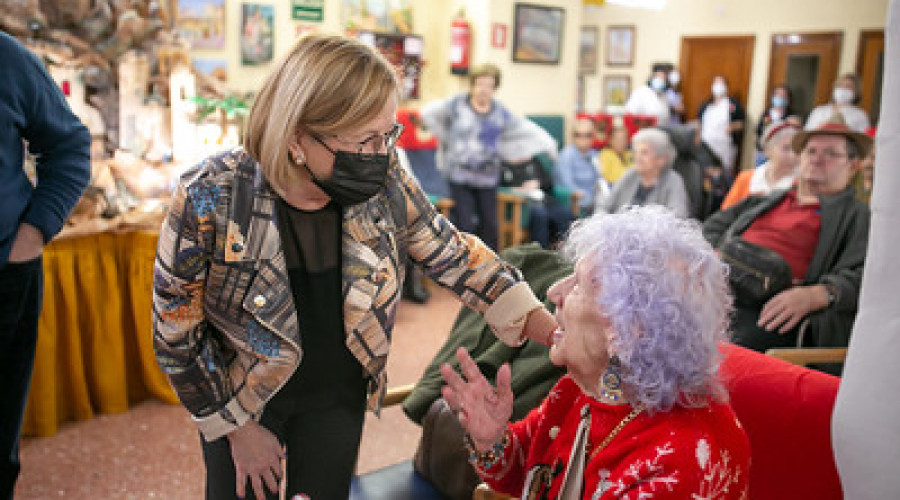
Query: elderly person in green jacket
point(820, 229)
point(279, 271)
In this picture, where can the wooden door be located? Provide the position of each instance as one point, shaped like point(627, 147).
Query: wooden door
point(704, 57)
point(870, 68)
point(808, 64)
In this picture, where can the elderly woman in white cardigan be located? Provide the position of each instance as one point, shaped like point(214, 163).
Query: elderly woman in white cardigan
point(651, 181)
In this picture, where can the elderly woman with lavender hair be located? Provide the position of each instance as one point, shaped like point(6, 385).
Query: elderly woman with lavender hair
point(641, 411)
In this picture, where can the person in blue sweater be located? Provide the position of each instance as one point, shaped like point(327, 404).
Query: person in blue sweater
point(575, 168)
point(33, 115)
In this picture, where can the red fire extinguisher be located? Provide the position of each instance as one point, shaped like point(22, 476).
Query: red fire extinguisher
point(460, 46)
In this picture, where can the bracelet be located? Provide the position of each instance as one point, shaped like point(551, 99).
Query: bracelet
point(489, 458)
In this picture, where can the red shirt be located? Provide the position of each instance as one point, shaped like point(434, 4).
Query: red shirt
point(789, 229)
point(679, 454)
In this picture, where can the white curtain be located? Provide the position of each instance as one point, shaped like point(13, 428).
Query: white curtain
point(866, 423)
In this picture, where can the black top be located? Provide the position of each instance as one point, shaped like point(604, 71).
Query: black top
point(640, 196)
point(311, 241)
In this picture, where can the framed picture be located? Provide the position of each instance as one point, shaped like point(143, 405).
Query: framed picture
point(202, 23)
point(587, 50)
point(257, 28)
point(616, 89)
point(537, 34)
point(383, 16)
point(620, 45)
point(216, 68)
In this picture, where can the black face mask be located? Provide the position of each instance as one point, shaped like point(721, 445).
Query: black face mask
point(355, 177)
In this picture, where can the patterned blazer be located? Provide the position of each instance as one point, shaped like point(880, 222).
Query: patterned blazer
point(225, 325)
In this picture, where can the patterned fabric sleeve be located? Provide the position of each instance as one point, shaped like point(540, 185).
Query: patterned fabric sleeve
point(181, 341)
point(463, 264)
point(510, 474)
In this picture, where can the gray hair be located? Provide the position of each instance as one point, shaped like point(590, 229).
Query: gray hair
point(665, 293)
point(658, 140)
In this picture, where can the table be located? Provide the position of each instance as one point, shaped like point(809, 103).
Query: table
point(95, 346)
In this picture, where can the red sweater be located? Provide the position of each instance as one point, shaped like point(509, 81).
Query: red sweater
point(699, 453)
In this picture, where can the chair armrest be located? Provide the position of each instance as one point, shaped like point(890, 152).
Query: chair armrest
point(442, 204)
point(509, 195)
point(809, 355)
point(484, 492)
point(569, 197)
point(562, 193)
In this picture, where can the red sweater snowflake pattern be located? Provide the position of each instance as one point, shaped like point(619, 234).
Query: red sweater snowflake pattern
point(685, 453)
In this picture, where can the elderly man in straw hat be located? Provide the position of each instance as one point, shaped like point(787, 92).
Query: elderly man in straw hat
point(820, 230)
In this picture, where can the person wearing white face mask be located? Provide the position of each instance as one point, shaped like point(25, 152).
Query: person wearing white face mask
point(722, 124)
point(844, 100)
point(650, 99)
point(779, 109)
point(674, 98)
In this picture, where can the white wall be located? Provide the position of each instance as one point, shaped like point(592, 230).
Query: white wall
point(538, 88)
point(522, 83)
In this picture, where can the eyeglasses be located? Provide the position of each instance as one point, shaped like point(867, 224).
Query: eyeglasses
point(372, 145)
point(829, 154)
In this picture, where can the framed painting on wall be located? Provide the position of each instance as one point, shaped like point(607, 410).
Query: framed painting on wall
point(383, 16)
point(537, 34)
point(616, 89)
point(202, 23)
point(620, 45)
point(587, 50)
point(257, 33)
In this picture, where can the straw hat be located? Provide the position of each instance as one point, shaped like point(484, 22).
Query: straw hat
point(773, 128)
point(834, 126)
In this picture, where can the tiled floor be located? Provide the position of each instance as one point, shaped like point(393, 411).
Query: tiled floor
point(152, 451)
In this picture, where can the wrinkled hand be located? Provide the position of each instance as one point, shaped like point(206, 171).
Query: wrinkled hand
point(482, 410)
point(789, 307)
point(257, 456)
point(28, 244)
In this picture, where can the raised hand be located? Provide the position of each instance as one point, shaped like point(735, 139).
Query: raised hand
point(257, 456)
point(482, 409)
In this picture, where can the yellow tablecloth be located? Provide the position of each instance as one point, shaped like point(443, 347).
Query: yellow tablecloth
point(94, 351)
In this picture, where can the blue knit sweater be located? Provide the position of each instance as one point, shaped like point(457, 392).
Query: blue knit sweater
point(32, 109)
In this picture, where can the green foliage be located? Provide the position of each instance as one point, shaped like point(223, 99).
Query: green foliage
point(230, 106)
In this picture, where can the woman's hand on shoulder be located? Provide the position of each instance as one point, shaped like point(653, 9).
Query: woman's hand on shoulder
point(257, 456)
point(483, 410)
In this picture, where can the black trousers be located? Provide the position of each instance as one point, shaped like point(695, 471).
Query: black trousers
point(549, 222)
point(21, 286)
point(475, 211)
point(321, 431)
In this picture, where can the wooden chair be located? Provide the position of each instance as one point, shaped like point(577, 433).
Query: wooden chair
point(806, 356)
point(512, 209)
point(809, 355)
point(512, 215)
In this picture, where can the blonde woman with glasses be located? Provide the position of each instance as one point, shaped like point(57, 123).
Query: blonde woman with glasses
point(279, 271)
